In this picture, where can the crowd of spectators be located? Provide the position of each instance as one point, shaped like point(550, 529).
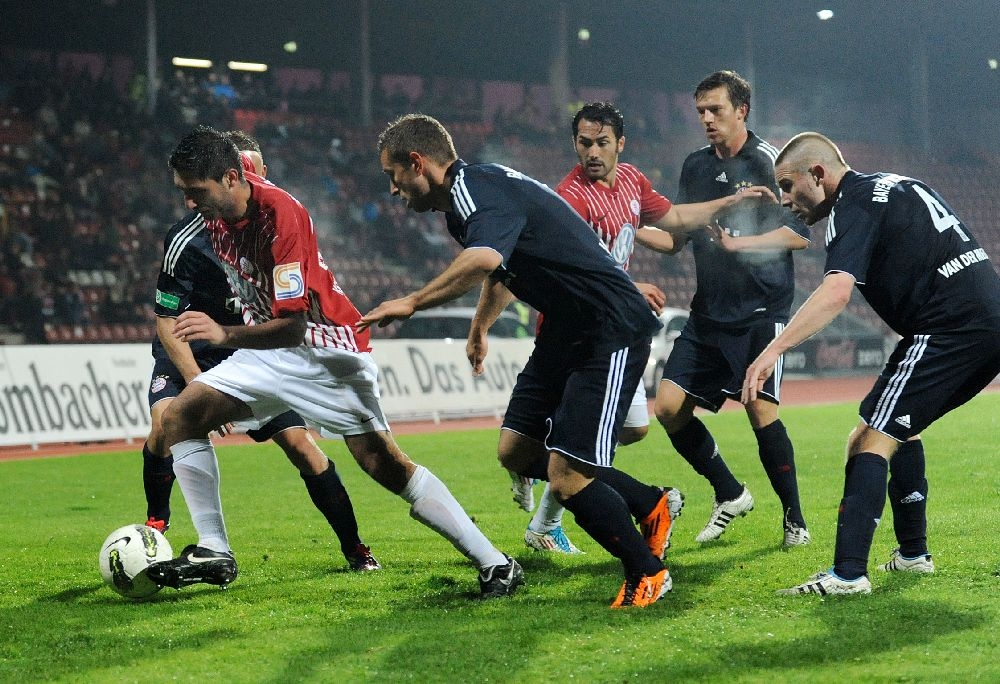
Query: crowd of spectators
point(86, 195)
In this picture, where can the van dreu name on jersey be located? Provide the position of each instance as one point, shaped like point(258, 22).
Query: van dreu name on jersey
point(953, 266)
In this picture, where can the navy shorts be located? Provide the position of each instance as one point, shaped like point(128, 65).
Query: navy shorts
point(167, 382)
point(709, 362)
point(574, 399)
point(926, 377)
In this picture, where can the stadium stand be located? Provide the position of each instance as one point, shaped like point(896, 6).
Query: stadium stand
point(85, 192)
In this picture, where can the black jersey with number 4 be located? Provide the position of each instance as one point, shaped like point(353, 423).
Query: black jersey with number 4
point(191, 279)
point(735, 288)
point(552, 259)
point(914, 261)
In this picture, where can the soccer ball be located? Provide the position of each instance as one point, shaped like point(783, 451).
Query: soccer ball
point(126, 554)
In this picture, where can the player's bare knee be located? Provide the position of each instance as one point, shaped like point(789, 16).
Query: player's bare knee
point(568, 476)
point(517, 452)
point(865, 439)
point(672, 407)
point(631, 435)
point(302, 451)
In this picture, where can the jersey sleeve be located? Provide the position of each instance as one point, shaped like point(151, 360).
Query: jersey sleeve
point(495, 227)
point(175, 283)
point(291, 258)
point(495, 221)
point(851, 236)
point(654, 205)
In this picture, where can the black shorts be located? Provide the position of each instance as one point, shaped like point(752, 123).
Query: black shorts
point(575, 400)
point(167, 382)
point(926, 377)
point(710, 362)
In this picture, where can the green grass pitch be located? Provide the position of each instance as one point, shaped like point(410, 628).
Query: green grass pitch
point(296, 615)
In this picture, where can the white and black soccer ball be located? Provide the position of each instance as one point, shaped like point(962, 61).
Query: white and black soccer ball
point(126, 554)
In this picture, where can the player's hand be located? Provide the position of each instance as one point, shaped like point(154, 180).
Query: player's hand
point(197, 325)
point(386, 313)
point(476, 349)
point(757, 374)
point(655, 297)
point(226, 429)
point(761, 192)
point(721, 237)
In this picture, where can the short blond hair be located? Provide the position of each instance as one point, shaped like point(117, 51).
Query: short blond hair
point(806, 149)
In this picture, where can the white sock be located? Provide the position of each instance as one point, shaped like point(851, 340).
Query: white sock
point(432, 504)
point(548, 516)
point(197, 472)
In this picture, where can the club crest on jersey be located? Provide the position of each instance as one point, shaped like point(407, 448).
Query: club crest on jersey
point(742, 185)
point(288, 281)
point(246, 266)
point(158, 384)
point(635, 206)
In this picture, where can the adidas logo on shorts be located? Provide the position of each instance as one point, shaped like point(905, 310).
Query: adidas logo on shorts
point(904, 420)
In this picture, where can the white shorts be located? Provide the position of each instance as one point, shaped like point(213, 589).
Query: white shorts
point(638, 410)
point(332, 389)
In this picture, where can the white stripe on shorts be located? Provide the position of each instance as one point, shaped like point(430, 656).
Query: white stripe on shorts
point(612, 392)
point(778, 367)
point(887, 402)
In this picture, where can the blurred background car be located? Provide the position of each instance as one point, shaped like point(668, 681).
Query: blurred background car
point(673, 322)
point(453, 323)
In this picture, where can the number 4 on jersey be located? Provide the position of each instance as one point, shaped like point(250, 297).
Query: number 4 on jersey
point(943, 220)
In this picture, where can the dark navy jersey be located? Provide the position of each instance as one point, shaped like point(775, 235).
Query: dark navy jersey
point(914, 261)
point(191, 279)
point(737, 287)
point(552, 259)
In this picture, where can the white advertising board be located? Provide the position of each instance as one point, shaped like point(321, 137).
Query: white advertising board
point(85, 393)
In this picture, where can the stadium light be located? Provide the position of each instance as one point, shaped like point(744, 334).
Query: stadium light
point(825, 14)
point(291, 46)
point(247, 66)
point(191, 62)
point(583, 35)
point(993, 63)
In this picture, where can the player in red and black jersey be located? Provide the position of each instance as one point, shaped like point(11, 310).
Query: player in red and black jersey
point(744, 293)
point(297, 350)
point(920, 268)
point(191, 278)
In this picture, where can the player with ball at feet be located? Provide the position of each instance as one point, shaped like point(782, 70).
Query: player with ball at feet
point(301, 353)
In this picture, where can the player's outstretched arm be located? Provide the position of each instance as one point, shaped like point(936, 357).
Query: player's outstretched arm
point(685, 218)
point(781, 239)
point(824, 304)
point(658, 240)
point(470, 268)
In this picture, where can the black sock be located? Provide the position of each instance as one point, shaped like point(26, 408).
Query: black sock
point(157, 481)
point(602, 513)
point(331, 498)
point(698, 448)
point(860, 510)
point(908, 498)
point(640, 498)
point(778, 458)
